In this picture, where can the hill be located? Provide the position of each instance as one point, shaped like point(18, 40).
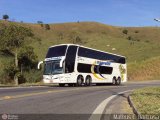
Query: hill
point(139, 44)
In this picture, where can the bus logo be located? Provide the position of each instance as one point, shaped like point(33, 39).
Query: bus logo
point(98, 64)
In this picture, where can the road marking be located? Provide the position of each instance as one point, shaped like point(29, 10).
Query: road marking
point(98, 112)
point(54, 91)
point(7, 97)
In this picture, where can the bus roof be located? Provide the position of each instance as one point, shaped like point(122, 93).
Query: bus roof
point(87, 48)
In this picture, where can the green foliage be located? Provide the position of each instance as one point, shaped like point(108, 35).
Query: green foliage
point(13, 36)
point(47, 27)
point(33, 76)
point(27, 64)
point(10, 70)
point(27, 58)
point(125, 31)
point(5, 17)
point(146, 100)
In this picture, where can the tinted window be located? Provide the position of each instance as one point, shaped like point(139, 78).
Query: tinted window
point(86, 68)
point(70, 59)
point(84, 52)
point(105, 70)
point(122, 60)
point(56, 51)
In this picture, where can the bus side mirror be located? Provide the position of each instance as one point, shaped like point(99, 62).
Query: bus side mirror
point(39, 65)
point(61, 62)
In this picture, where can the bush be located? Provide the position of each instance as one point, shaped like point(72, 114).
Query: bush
point(33, 76)
point(129, 38)
point(4, 79)
point(27, 58)
point(47, 27)
point(10, 70)
point(5, 17)
point(136, 31)
point(125, 31)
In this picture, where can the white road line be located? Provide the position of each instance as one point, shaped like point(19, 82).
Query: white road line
point(98, 112)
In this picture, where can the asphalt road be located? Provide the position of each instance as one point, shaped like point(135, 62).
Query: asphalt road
point(60, 101)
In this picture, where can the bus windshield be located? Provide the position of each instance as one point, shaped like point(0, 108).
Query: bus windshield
point(52, 68)
point(56, 51)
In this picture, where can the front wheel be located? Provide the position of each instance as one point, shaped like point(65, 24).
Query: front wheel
point(61, 84)
point(114, 81)
point(118, 81)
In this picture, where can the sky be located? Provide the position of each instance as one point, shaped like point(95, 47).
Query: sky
point(112, 12)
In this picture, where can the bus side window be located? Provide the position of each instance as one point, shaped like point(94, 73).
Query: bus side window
point(70, 59)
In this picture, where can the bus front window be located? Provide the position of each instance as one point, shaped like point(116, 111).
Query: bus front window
point(52, 68)
point(57, 69)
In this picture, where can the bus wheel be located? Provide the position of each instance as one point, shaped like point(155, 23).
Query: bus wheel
point(114, 81)
point(88, 80)
point(79, 80)
point(61, 84)
point(118, 81)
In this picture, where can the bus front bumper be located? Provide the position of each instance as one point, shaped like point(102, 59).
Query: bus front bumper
point(57, 79)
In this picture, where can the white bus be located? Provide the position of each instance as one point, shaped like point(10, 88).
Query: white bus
point(77, 65)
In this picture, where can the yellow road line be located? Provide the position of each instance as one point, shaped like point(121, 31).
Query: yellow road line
point(52, 91)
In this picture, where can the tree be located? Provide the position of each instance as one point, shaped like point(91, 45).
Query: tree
point(5, 17)
point(136, 31)
point(47, 27)
point(40, 22)
point(129, 37)
point(125, 31)
point(12, 38)
point(27, 58)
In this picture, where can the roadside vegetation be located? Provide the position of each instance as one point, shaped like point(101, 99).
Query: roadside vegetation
point(144, 70)
point(140, 45)
point(14, 45)
point(146, 100)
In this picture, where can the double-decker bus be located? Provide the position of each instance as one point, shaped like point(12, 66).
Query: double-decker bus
point(77, 65)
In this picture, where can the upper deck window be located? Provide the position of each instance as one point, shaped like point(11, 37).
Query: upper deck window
point(89, 53)
point(56, 51)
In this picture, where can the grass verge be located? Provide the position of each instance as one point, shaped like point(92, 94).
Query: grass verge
point(147, 100)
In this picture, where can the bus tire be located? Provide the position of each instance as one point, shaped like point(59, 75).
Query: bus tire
point(61, 84)
point(114, 81)
point(80, 80)
point(118, 81)
point(88, 80)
